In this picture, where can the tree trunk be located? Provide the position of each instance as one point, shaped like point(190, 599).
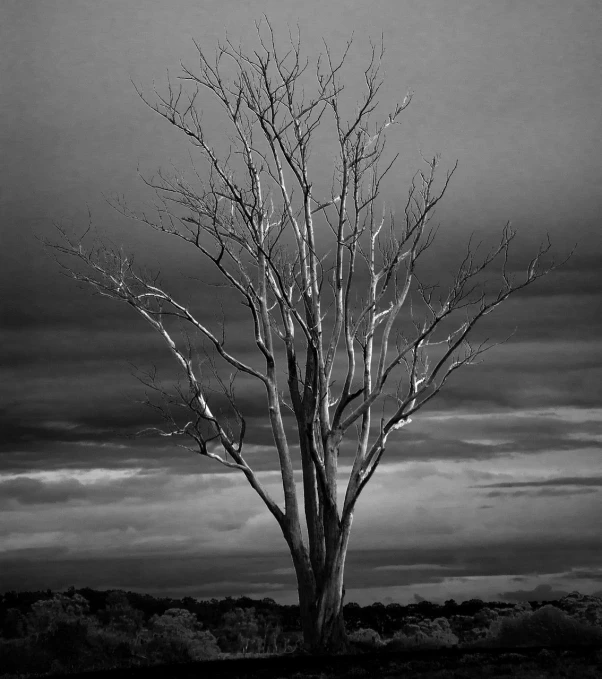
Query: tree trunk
point(321, 610)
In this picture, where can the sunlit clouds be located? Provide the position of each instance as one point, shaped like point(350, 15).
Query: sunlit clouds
point(480, 504)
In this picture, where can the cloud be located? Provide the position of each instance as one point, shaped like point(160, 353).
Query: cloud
point(553, 487)
point(28, 491)
point(239, 587)
point(211, 575)
point(560, 481)
point(539, 593)
point(33, 441)
point(413, 567)
point(585, 573)
point(129, 511)
point(587, 438)
point(543, 492)
point(501, 556)
point(487, 442)
point(283, 571)
point(470, 570)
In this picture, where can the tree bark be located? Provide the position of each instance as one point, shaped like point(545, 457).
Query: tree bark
point(322, 621)
point(321, 603)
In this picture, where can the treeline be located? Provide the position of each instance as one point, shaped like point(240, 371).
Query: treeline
point(86, 629)
point(210, 612)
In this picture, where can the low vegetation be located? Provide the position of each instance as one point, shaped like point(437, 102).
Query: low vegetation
point(74, 631)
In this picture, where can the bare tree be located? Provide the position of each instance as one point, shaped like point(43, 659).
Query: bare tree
point(257, 217)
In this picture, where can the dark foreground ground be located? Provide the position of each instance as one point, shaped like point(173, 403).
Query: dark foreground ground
point(523, 663)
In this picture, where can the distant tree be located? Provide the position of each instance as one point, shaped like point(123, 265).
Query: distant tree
point(240, 630)
point(61, 626)
point(47, 614)
point(178, 636)
point(176, 619)
point(269, 628)
point(329, 278)
point(120, 616)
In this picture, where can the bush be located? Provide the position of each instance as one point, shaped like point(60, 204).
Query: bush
point(291, 641)
point(120, 616)
point(403, 641)
point(548, 626)
point(365, 639)
point(423, 634)
point(177, 636)
point(239, 631)
point(110, 648)
point(47, 614)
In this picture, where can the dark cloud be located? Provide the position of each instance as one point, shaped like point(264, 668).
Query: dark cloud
point(584, 574)
point(94, 419)
point(103, 407)
point(539, 593)
point(206, 577)
point(556, 487)
point(513, 385)
point(28, 491)
point(76, 432)
point(493, 435)
point(512, 557)
point(563, 481)
point(461, 440)
point(217, 574)
point(544, 492)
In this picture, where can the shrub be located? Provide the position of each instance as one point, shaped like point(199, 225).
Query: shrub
point(240, 631)
point(402, 641)
point(170, 649)
point(423, 634)
point(167, 650)
point(177, 636)
point(365, 638)
point(486, 617)
point(120, 616)
point(110, 648)
point(47, 614)
point(548, 626)
point(292, 641)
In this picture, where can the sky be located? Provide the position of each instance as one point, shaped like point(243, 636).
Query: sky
point(492, 492)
